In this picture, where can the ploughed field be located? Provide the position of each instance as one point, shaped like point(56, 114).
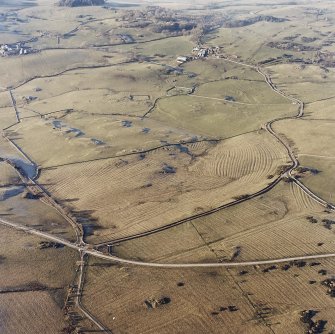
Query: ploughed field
point(152, 189)
point(207, 300)
point(111, 144)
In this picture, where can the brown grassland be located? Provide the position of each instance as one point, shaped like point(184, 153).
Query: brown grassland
point(111, 147)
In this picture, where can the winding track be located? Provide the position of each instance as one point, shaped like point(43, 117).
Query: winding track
point(295, 161)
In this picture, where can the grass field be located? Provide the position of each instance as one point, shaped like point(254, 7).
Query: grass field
point(216, 118)
point(33, 284)
point(310, 83)
point(170, 183)
point(242, 91)
point(7, 117)
point(18, 310)
point(8, 175)
point(24, 263)
point(213, 70)
point(251, 230)
point(190, 307)
point(199, 299)
point(46, 63)
point(128, 89)
point(98, 136)
point(320, 109)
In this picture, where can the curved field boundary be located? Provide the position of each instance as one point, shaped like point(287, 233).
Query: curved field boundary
point(62, 72)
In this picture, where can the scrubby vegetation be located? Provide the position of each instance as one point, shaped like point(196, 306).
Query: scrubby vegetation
point(78, 3)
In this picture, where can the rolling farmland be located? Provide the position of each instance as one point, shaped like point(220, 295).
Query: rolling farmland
point(167, 168)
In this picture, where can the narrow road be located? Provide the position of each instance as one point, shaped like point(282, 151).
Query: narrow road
point(295, 161)
point(86, 250)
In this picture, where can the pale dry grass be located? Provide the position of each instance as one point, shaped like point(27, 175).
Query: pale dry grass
point(122, 89)
point(5, 100)
point(323, 109)
point(24, 263)
point(267, 300)
point(211, 70)
point(309, 83)
point(8, 175)
point(80, 136)
point(7, 117)
point(30, 312)
point(287, 293)
point(215, 118)
point(120, 302)
point(271, 226)
point(34, 213)
point(47, 63)
point(243, 91)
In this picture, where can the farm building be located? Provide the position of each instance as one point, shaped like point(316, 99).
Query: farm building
point(182, 59)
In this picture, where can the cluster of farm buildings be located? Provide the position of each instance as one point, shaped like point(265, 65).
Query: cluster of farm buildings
point(199, 52)
point(7, 50)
